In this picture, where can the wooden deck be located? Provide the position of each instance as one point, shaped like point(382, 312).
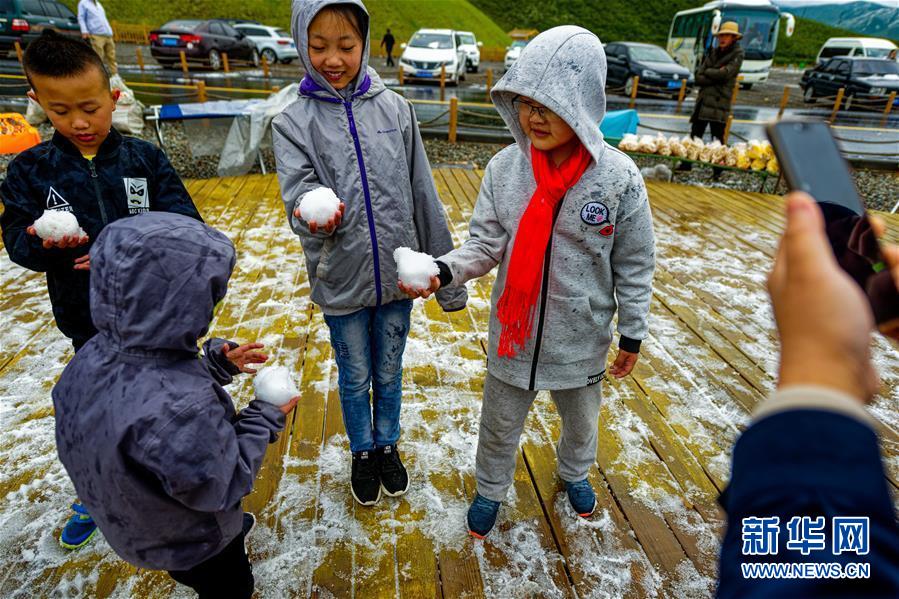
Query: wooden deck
point(665, 432)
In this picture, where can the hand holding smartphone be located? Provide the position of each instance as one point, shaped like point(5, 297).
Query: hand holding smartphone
point(811, 162)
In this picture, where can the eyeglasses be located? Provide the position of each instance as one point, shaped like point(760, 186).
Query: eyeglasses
point(527, 109)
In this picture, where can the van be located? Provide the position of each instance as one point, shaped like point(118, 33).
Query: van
point(472, 48)
point(23, 21)
point(864, 47)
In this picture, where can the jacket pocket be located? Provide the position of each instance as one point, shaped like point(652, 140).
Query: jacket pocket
point(570, 332)
point(324, 260)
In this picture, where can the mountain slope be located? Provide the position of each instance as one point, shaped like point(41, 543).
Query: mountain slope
point(402, 16)
point(646, 20)
point(867, 18)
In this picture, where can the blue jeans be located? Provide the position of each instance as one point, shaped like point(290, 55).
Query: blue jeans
point(368, 347)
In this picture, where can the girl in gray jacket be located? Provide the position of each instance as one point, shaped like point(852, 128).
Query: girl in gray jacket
point(347, 132)
point(566, 218)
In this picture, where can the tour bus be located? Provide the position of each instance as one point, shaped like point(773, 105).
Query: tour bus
point(692, 34)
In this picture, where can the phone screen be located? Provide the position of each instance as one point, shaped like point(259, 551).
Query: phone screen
point(811, 162)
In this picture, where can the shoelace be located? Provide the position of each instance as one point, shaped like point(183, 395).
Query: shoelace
point(581, 490)
point(391, 462)
point(368, 468)
point(483, 506)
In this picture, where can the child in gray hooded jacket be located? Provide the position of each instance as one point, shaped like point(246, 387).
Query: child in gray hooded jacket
point(566, 217)
point(351, 134)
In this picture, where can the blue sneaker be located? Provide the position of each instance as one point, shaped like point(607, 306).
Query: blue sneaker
point(581, 497)
point(482, 516)
point(78, 530)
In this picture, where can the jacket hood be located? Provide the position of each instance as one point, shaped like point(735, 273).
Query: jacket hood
point(155, 281)
point(563, 68)
point(304, 11)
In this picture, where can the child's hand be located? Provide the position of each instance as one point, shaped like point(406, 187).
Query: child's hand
point(83, 263)
point(286, 408)
point(243, 355)
point(624, 363)
point(68, 241)
point(330, 226)
point(424, 293)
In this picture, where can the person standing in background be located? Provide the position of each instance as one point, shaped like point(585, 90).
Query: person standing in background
point(96, 29)
point(716, 77)
point(387, 43)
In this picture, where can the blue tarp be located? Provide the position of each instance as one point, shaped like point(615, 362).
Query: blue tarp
point(618, 122)
point(207, 110)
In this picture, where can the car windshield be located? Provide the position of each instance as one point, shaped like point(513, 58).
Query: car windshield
point(519, 44)
point(759, 29)
point(434, 41)
point(467, 39)
point(877, 66)
point(649, 54)
point(182, 25)
point(878, 52)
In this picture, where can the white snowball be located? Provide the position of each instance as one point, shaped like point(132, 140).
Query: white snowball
point(56, 224)
point(319, 205)
point(415, 269)
point(274, 385)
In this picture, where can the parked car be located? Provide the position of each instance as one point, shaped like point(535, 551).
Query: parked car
point(513, 52)
point(203, 41)
point(23, 21)
point(863, 78)
point(275, 44)
point(430, 49)
point(658, 72)
point(472, 48)
point(865, 47)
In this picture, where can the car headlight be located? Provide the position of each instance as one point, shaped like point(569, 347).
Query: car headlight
point(649, 74)
point(878, 91)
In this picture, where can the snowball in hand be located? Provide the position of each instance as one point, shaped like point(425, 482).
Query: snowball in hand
point(56, 224)
point(415, 269)
point(319, 205)
point(274, 385)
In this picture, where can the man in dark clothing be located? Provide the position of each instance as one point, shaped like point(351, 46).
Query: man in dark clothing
point(387, 43)
point(716, 76)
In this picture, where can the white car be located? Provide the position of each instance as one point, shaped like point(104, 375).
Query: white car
point(430, 49)
point(275, 44)
point(513, 52)
point(472, 48)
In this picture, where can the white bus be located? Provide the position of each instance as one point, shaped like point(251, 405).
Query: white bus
point(692, 34)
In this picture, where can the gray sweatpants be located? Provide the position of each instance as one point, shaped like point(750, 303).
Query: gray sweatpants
point(503, 415)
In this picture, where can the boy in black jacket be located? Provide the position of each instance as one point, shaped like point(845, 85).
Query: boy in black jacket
point(89, 169)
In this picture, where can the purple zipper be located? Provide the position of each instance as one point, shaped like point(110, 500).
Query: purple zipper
point(371, 219)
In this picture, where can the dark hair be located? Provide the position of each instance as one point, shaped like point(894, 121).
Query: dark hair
point(58, 56)
point(352, 14)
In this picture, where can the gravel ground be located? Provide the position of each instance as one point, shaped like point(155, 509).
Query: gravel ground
point(879, 189)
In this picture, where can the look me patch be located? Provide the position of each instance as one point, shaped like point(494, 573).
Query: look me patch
point(596, 214)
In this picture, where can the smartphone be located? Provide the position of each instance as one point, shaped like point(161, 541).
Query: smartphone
point(810, 161)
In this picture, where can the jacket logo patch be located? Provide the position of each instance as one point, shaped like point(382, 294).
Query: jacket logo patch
point(138, 195)
point(595, 214)
point(394, 130)
point(57, 202)
point(607, 230)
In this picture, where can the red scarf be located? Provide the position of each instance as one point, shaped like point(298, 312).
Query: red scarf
point(518, 303)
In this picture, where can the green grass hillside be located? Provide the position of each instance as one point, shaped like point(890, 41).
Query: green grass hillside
point(643, 20)
point(401, 16)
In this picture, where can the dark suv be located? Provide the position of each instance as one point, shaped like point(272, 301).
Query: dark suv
point(865, 78)
point(23, 21)
point(203, 41)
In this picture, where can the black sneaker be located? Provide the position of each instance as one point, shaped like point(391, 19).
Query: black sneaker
point(249, 523)
point(394, 478)
point(365, 483)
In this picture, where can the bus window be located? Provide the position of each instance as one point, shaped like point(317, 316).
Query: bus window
point(759, 30)
point(677, 30)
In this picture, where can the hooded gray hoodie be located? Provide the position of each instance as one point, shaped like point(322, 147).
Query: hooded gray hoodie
point(365, 145)
point(602, 248)
point(144, 429)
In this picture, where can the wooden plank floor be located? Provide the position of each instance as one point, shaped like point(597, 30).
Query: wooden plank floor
point(665, 432)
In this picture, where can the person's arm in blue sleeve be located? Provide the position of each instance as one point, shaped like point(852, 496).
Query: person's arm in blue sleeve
point(171, 195)
point(206, 462)
point(220, 367)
